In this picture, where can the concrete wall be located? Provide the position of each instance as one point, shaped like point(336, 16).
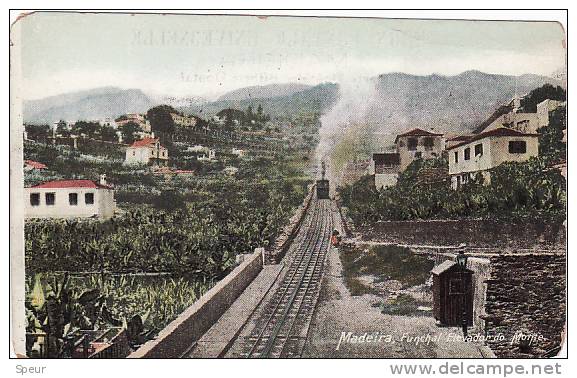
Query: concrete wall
point(526, 294)
point(502, 235)
point(383, 180)
point(177, 338)
point(103, 206)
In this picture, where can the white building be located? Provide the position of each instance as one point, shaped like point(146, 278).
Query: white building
point(208, 155)
point(146, 151)
point(525, 122)
point(385, 167)
point(183, 120)
point(543, 109)
point(238, 152)
point(418, 144)
point(139, 119)
point(230, 171)
point(70, 199)
point(487, 150)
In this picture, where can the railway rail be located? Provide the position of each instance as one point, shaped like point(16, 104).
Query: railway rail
point(282, 328)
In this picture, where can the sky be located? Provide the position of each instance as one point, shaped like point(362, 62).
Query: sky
point(189, 55)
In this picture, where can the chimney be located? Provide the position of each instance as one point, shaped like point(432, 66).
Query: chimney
point(152, 135)
point(103, 179)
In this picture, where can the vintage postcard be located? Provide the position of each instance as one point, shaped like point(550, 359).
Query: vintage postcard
point(242, 186)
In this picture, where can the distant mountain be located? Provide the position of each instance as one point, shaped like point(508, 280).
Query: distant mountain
point(311, 99)
point(105, 102)
point(181, 101)
point(451, 104)
point(263, 91)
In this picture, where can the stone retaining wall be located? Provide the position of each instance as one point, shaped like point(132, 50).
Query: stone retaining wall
point(526, 294)
point(179, 336)
point(510, 235)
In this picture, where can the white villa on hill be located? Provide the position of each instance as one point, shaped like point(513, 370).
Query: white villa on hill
point(146, 151)
point(418, 144)
point(70, 199)
point(481, 152)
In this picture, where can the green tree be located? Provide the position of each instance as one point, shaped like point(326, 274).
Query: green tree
point(551, 143)
point(128, 131)
point(161, 121)
point(547, 91)
point(88, 128)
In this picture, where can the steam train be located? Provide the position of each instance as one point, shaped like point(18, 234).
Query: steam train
point(323, 184)
point(323, 189)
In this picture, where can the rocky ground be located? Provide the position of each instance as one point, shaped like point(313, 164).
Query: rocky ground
point(347, 326)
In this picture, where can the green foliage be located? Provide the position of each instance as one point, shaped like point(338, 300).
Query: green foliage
point(515, 190)
point(60, 305)
point(128, 132)
point(161, 121)
point(547, 91)
point(551, 144)
point(87, 128)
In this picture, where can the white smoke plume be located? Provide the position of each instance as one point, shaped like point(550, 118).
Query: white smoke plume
point(356, 97)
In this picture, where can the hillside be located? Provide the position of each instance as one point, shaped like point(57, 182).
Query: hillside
point(106, 102)
point(450, 104)
point(263, 91)
point(312, 99)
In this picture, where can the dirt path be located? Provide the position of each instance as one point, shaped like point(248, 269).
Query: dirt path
point(341, 320)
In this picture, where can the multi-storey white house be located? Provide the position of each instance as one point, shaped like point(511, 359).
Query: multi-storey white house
point(146, 151)
point(418, 144)
point(487, 150)
point(70, 199)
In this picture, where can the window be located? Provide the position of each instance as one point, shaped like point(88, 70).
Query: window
point(133, 153)
point(35, 199)
point(412, 144)
point(89, 198)
point(73, 199)
point(517, 147)
point(50, 199)
point(429, 143)
point(456, 157)
point(467, 153)
point(479, 149)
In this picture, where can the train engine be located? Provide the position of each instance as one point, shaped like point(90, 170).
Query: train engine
point(323, 185)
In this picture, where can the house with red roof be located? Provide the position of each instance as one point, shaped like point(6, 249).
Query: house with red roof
point(30, 165)
point(418, 144)
point(147, 151)
point(70, 199)
point(479, 153)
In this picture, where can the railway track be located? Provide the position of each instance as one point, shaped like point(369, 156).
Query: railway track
point(282, 328)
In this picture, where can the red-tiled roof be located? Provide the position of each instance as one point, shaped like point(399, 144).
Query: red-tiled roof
point(459, 137)
point(146, 142)
point(499, 132)
point(417, 132)
point(35, 164)
point(61, 184)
